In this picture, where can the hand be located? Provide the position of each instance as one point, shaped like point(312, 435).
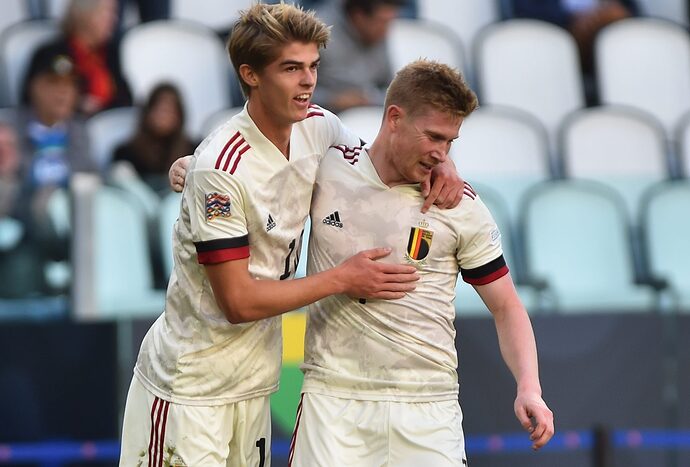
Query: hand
point(444, 188)
point(535, 417)
point(178, 172)
point(364, 277)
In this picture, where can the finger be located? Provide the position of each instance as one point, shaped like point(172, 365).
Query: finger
point(398, 287)
point(401, 278)
point(451, 198)
point(386, 268)
point(386, 295)
point(376, 253)
point(434, 192)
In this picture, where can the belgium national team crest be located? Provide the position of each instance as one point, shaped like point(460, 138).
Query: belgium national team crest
point(419, 243)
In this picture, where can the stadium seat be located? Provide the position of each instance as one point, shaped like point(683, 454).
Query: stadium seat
point(218, 118)
point(465, 19)
point(364, 121)
point(13, 11)
point(683, 146)
point(412, 39)
point(665, 217)
point(169, 211)
point(11, 233)
point(655, 78)
point(508, 164)
point(189, 55)
point(672, 10)
point(115, 277)
point(467, 301)
point(530, 65)
point(218, 15)
point(576, 239)
point(17, 45)
point(623, 148)
point(56, 8)
point(108, 129)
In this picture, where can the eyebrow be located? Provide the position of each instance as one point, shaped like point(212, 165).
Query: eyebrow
point(298, 63)
point(435, 135)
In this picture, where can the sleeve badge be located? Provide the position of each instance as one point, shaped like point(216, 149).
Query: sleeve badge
point(217, 205)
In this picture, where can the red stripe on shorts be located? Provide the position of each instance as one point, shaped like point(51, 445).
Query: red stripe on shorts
point(294, 433)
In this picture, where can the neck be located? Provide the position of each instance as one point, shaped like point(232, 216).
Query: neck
point(277, 133)
point(381, 157)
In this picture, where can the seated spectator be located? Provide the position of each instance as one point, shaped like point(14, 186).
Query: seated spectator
point(88, 31)
point(355, 67)
point(9, 168)
point(53, 141)
point(159, 139)
point(583, 18)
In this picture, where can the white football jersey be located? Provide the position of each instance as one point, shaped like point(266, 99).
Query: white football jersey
point(242, 198)
point(402, 350)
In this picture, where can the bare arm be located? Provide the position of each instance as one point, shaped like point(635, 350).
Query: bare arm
point(444, 187)
point(519, 351)
point(243, 298)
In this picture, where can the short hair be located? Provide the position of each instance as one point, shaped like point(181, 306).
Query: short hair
point(262, 30)
point(368, 6)
point(425, 85)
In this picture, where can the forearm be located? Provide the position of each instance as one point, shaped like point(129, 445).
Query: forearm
point(518, 347)
point(248, 299)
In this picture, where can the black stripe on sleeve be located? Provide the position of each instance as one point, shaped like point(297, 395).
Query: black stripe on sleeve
point(485, 270)
point(222, 244)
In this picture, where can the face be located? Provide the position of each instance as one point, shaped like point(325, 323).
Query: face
point(283, 89)
point(54, 98)
point(373, 28)
point(163, 118)
point(422, 142)
point(99, 22)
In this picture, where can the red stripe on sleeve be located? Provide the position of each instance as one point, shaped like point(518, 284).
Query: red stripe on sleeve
point(225, 148)
point(220, 256)
point(489, 278)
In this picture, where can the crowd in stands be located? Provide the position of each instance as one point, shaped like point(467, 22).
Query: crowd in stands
point(77, 75)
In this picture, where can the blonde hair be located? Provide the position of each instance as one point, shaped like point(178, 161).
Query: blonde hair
point(428, 85)
point(261, 31)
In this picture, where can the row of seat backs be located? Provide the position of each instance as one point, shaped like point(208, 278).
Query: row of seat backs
point(185, 53)
point(572, 249)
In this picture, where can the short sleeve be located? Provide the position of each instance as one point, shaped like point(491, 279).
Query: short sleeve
point(217, 216)
point(479, 253)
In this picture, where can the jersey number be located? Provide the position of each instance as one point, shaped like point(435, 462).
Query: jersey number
point(261, 444)
point(291, 264)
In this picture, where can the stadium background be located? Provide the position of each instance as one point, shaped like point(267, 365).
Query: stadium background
point(618, 381)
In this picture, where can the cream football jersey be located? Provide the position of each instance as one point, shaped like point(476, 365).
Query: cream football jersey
point(402, 350)
point(242, 199)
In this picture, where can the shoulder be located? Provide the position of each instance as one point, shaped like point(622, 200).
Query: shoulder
point(217, 147)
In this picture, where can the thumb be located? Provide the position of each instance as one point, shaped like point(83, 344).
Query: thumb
point(426, 186)
point(524, 419)
point(376, 253)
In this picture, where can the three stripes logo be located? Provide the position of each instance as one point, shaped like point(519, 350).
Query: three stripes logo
point(231, 155)
point(333, 219)
point(270, 223)
point(419, 243)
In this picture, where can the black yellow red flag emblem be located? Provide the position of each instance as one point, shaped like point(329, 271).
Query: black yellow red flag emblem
point(419, 243)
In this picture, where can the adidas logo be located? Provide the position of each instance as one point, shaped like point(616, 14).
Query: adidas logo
point(270, 223)
point(334, 220)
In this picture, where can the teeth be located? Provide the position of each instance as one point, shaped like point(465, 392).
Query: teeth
point(303, 97)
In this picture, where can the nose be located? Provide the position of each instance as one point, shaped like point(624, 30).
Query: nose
point(309, 78)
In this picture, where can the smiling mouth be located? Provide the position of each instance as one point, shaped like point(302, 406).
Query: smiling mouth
point(303, 98)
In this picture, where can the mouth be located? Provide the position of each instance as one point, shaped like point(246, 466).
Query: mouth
point(427, 167)
point(303, 98)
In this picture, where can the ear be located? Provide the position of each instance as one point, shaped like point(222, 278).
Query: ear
point(394, 116)
point(249, 76)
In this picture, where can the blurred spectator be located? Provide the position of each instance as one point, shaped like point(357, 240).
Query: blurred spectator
point(88, 31)
point(583, 18)
point(149, 10)
point(355, 67)
point(53, 143)
point(160, 138)
point(9, 168)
